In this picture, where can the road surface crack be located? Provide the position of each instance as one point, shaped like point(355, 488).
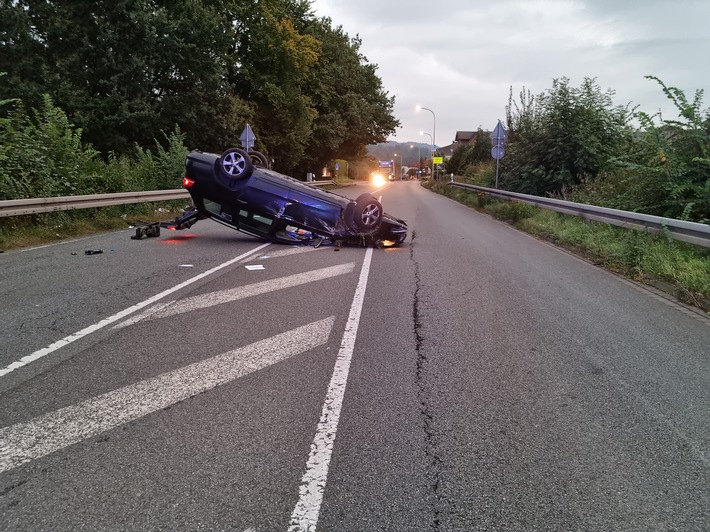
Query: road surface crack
point(434, 462)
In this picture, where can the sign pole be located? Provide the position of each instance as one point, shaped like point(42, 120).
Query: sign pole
point(498, 140)
point(497, 163)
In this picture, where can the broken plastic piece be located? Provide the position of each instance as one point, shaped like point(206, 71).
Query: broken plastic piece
point(93, 251)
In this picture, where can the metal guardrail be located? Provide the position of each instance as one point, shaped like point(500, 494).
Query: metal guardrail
point(67, 203)
point(691, 232)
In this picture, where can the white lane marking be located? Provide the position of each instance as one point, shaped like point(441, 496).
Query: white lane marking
point(292, 250)
point(27, 441)
point(305, 514)
point(189, 304)
point(120, 315)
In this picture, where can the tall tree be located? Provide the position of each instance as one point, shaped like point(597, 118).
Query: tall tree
point(274, 57)
point(125, 69)
point(353, 108)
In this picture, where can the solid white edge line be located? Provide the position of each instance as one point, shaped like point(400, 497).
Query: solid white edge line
point(305, 514)
point(120, 315)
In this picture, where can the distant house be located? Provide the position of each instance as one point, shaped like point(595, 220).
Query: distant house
point(447, 151)
point(462, 138)
point(465, 137)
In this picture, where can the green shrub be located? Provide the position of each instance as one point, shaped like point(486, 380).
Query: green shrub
point(634, 252)
point(42, 155)
point(511, 211)
point(482, 173)
point(165, 169)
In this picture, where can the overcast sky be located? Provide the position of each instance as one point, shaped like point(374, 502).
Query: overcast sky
point(459, 58)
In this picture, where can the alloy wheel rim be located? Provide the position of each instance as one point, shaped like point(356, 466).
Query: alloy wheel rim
point(234, 165)
point(370, 215)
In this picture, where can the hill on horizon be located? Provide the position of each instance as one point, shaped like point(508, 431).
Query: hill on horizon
point(408, 151)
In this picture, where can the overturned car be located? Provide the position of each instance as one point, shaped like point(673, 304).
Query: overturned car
point(238, 190)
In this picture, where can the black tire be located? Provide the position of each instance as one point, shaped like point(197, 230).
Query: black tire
point(234, 164)
point(368, 213)
point(258, 159)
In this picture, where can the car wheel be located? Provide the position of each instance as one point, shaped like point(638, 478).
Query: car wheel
point(368, 213)
point(235, 163)
point(258, 159)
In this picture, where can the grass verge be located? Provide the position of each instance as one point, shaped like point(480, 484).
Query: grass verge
point(658, 260)
point(18, 232)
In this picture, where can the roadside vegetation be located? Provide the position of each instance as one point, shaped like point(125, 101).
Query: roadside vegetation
point(575, 144)
point(166, 78)
point(128, 73)
point(42, 155)
point(20, 232)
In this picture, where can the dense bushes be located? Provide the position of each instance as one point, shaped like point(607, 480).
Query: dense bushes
point(562, 138)
point(42, 155)
point(576, 143)
point(667, 170)
point(467, 158)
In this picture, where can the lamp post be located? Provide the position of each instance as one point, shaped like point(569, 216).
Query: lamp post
point(433, 137)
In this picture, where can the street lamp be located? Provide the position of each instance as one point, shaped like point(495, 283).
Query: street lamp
point(431, 138)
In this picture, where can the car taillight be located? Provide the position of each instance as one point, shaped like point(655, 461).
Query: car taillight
point(187, 182)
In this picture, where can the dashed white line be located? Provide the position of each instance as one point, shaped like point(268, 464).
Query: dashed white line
point(120, 315)
point(305, 514)
point(27, 441)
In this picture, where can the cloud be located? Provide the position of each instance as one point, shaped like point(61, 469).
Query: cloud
point(461, 59)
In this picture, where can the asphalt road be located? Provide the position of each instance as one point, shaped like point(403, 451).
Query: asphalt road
point(472, 379)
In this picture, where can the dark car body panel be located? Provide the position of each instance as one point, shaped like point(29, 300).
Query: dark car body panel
point(267, 204)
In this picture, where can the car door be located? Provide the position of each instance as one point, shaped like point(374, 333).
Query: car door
point(313, 208)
